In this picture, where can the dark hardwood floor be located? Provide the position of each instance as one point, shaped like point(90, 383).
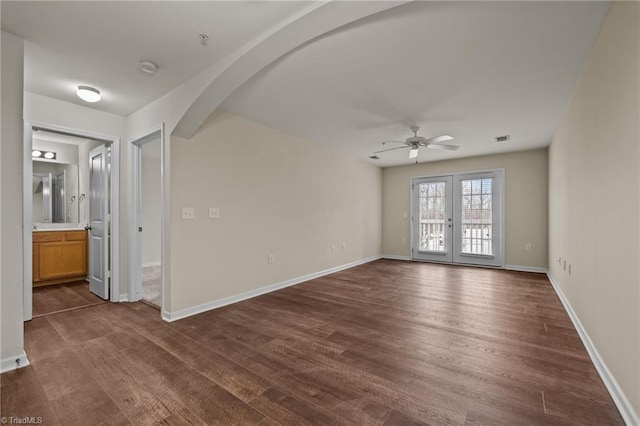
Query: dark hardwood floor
point(62, 297)
point(386, 343)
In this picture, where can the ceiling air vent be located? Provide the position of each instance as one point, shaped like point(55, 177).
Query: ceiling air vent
point(374, 157)
point(503, 138)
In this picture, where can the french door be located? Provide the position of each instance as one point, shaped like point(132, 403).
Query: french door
point(458, 218)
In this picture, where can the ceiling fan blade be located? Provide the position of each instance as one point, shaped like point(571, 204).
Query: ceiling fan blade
point(438, 139)
point(391, 149)
point(442, 146)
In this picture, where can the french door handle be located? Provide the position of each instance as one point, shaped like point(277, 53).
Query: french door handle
point(88, 228)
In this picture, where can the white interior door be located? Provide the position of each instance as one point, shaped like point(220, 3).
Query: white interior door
point(432, 219)
point(99, 222)
point(458, 218)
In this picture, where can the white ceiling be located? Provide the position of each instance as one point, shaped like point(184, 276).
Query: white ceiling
point(474, 70)
point(101, 44)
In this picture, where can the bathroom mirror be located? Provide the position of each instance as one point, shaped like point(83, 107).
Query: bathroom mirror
point(56, 197)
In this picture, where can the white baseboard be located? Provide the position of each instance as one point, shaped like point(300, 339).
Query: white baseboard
point(13, 363)
point(625, 407)
point(509, 267)
point(194, 310)
point(395, 257)
point(124, 298)
point(151, 264)
point(520, 268)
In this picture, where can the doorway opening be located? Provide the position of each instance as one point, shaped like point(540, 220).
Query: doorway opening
point(60, 203)
point(458, 218)
point(149, 202)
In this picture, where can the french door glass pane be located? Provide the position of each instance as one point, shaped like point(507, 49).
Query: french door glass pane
point(477, 216)
point(432, 216)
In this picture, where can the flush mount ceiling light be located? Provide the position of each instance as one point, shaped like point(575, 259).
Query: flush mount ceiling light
point(88, 94)
point(148, 67)
point(204, 38)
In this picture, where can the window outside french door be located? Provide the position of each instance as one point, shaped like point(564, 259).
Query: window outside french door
point(458, 218)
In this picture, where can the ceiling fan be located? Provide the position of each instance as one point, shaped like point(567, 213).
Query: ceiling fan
point(415, 142)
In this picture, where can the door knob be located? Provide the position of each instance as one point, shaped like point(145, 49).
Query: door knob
point(88, 228)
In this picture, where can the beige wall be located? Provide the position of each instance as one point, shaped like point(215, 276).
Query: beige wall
point(525, 202)
point(277, 195)
point(11, 195)
point(594, 198)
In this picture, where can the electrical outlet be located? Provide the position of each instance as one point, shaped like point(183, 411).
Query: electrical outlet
point(405, 215)
point(271, 259)
point(344, 245)
point(187, 213)
point(333, 247)
point(527, 246)
point(214, 213)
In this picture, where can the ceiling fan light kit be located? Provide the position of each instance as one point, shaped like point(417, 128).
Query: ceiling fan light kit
point(415, 142)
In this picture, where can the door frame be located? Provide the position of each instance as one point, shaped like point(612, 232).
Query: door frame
point(27, 209)
point(135, 242)
point(500, 209)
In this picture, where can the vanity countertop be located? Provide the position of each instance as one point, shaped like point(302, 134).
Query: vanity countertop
point(54, 227)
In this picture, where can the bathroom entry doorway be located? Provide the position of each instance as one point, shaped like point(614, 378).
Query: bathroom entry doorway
point(58, 220)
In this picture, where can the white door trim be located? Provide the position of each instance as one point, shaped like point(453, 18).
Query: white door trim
point(135, 267)
point(27, 206)
point(27, 224)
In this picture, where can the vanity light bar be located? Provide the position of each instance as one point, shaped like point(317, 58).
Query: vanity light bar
point(49, 155)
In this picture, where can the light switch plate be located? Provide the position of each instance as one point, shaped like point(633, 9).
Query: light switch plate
point(187, 213)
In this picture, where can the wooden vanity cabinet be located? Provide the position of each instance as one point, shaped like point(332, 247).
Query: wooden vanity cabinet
point(59, 257)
